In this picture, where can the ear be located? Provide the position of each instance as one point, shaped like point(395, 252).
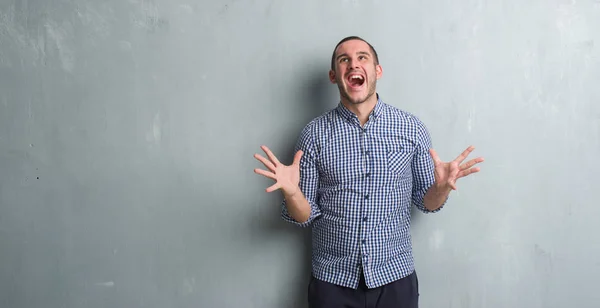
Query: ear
point(332, 76)
point(378, 71)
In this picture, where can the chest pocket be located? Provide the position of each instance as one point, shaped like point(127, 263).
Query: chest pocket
point(399, 157)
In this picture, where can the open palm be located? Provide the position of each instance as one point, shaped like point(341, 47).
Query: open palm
point(286, 177)
point(447, 173)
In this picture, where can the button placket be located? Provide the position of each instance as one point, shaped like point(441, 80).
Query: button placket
point(365, 193)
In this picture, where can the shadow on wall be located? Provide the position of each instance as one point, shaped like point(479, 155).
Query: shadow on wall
point(313, 99)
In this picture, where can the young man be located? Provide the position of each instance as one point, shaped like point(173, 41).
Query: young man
point(357, 170)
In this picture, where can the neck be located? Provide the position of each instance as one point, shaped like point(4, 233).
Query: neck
point(362, 110)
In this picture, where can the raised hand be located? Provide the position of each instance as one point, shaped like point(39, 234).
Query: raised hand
point(286, 178)
point(447, 173)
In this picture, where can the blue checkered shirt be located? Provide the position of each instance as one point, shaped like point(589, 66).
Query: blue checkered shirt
point(360, 183)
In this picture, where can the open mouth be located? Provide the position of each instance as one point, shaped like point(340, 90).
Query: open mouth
point(355, 80)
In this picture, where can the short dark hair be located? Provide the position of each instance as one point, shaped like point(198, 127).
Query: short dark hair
point(348, 38)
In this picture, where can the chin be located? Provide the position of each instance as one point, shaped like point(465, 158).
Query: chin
point(354, 96)
point(357, 97)
point(357, 100)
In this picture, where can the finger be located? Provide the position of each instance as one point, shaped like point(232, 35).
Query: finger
point(267, 163)
point(270, 155)
point(452, 184)
point(297, 157)
point(268, 174)
point(434, 156)
point(464, 154)
point(273, 187)
point(471, 163)
point(468, 172)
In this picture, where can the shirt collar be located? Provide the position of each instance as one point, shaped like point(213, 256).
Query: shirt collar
point(376, 113)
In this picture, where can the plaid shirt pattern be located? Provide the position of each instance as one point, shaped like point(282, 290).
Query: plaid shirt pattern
point(360, 183)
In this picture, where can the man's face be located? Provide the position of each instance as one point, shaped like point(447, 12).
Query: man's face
point(355, 71)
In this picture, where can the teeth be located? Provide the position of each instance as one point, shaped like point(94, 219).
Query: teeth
point(356, 77)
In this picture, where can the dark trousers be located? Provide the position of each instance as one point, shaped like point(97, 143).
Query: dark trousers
point(403, 293)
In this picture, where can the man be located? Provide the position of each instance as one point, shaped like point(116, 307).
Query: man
point(357, 170)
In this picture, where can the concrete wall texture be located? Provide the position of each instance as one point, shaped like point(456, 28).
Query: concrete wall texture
point(127, 130)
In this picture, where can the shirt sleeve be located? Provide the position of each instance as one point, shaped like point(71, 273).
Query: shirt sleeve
point(309, 177)
point(422, 169)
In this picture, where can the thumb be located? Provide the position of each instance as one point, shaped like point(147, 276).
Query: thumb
point(434, 156)
point(297, 157)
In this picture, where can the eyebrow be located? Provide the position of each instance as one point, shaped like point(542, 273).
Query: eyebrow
point(360, 53)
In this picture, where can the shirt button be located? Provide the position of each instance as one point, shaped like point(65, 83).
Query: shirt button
point(363, 241)
point(367, 174)
point(367, 196)
point(365, 219)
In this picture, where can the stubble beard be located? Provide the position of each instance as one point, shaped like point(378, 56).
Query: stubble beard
point(356, 101)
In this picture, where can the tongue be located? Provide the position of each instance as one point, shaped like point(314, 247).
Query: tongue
point(355, 82)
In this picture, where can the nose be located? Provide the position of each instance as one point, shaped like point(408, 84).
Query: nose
point(353, 64)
